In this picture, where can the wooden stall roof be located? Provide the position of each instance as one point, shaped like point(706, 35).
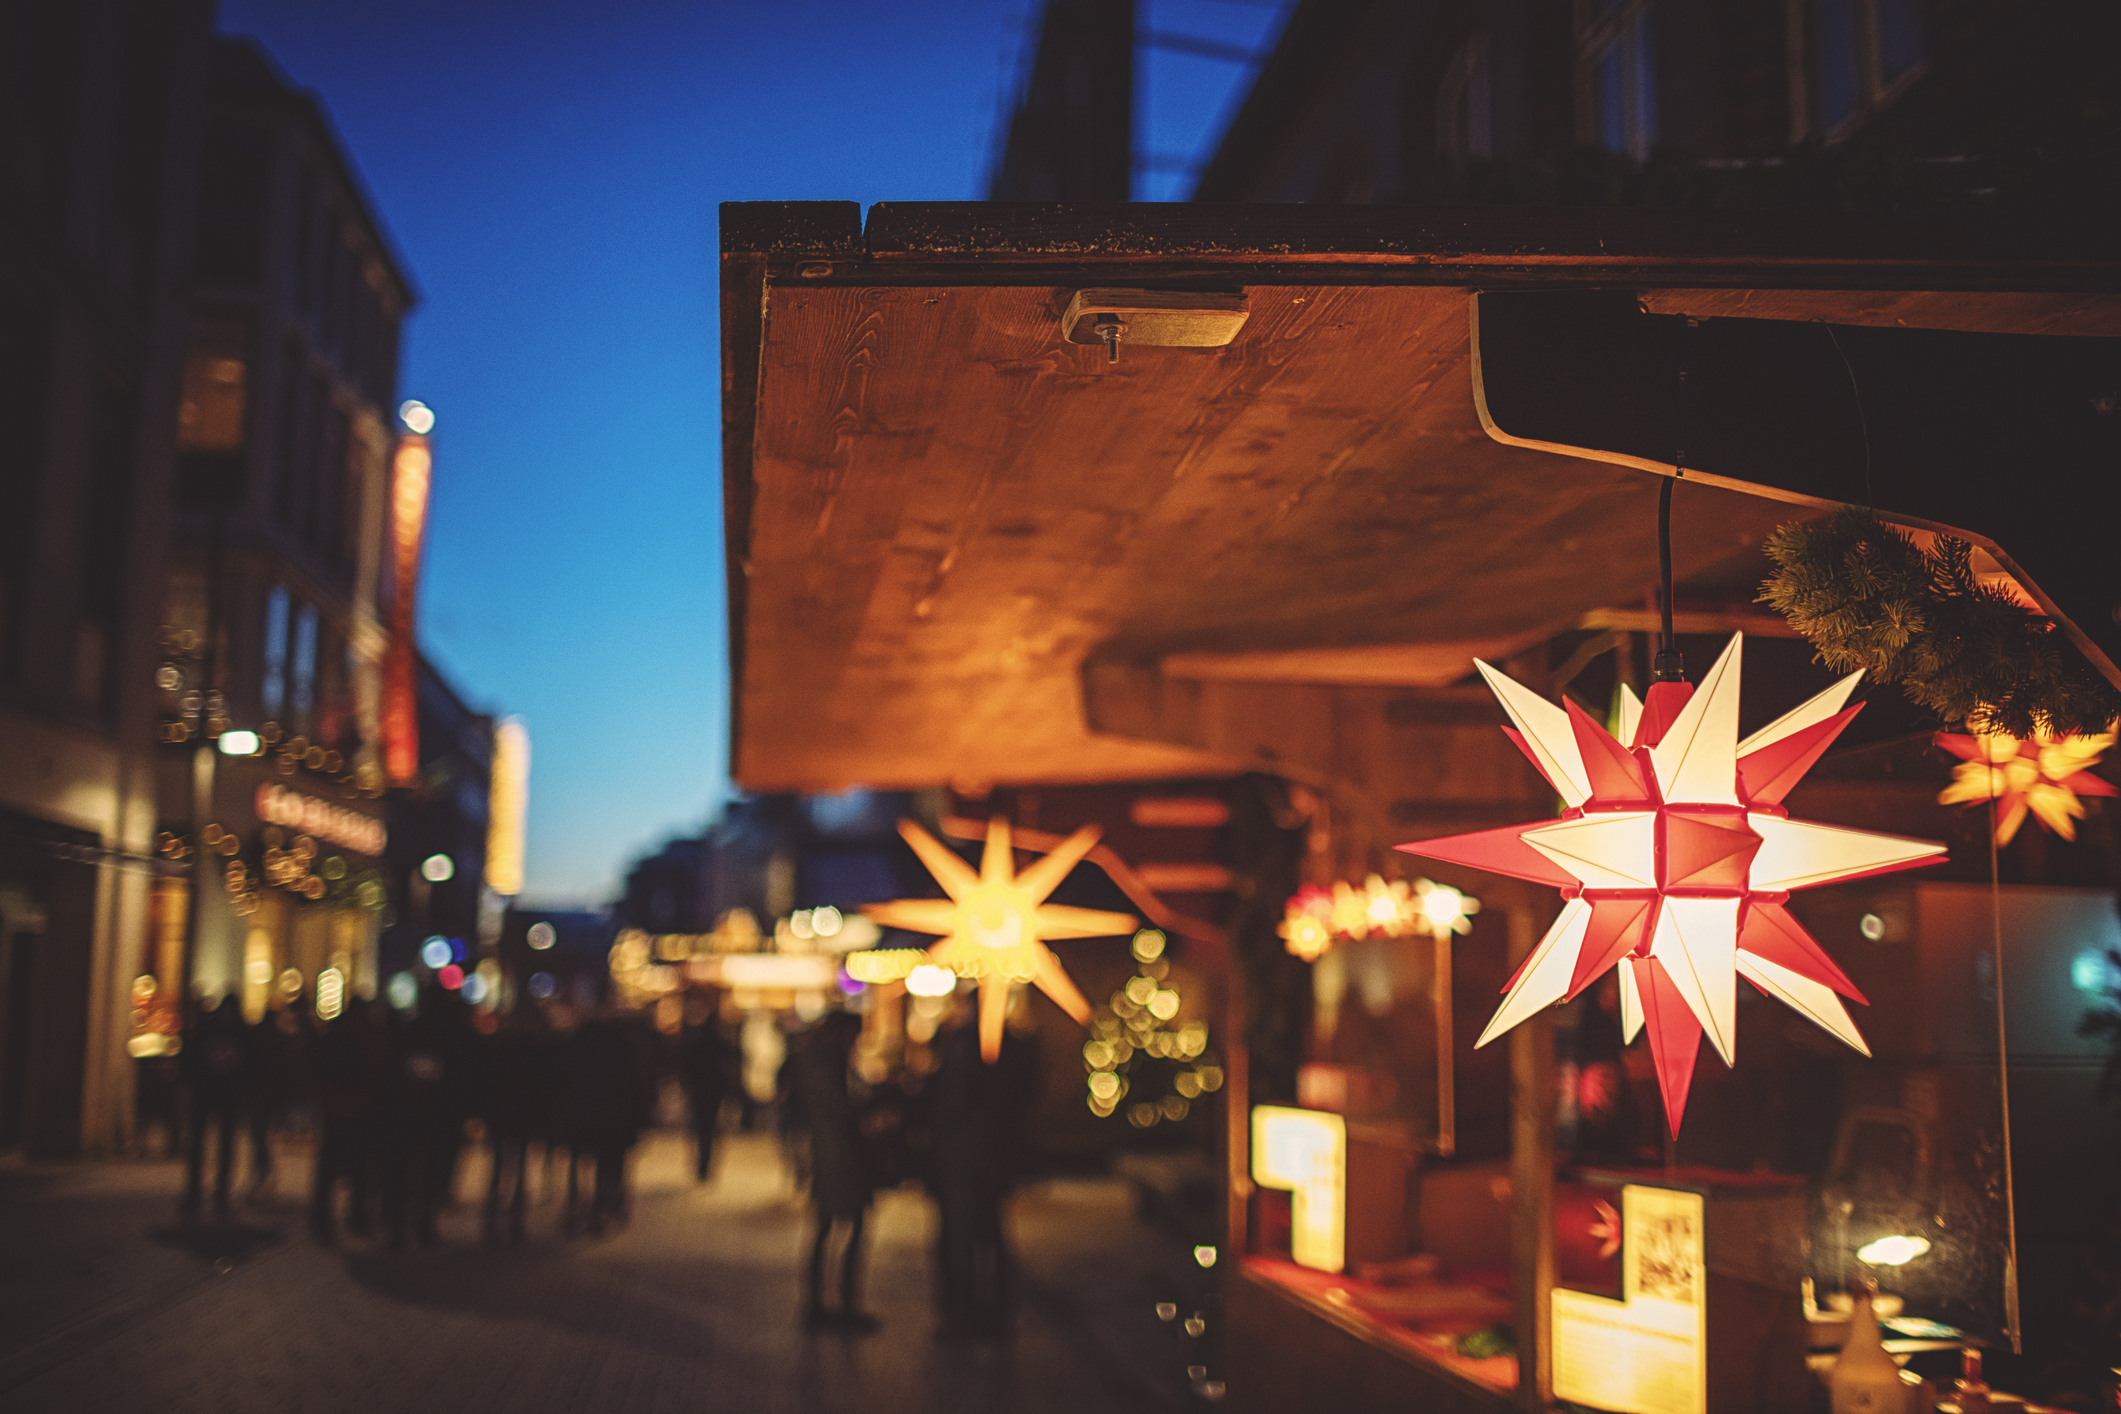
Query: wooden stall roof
point(938, 511)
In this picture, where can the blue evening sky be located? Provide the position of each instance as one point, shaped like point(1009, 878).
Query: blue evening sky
point(550, 171)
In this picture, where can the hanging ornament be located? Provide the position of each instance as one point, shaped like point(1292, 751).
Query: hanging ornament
point(1676, 856)
point(994, 920)
point(1315, 918)
point(1307, 923)
point(2044, 774)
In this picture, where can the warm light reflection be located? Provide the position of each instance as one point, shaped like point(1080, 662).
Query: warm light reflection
point(1895, 1251)
point(1305, 1152)
point(928, 980)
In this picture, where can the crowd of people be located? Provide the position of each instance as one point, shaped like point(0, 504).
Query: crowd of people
point(394, 1100)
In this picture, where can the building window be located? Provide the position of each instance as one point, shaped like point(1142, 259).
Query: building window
point(216, 391)
point(1616, 76)
point(1464, 129)
point(272, 691)
point(1850, 58)
point(303, 693)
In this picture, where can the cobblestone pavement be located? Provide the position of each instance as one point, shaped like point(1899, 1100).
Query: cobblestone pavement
point(107, 1303)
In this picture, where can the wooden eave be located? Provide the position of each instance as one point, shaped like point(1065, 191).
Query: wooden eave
point(938, 512)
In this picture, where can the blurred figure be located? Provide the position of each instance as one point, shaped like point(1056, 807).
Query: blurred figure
point(517, 1083)
point(274, 1079)
point(840, 1186)
point(424, 1106)
point(607, 1096)
point(216, 1066)
point(704, 1063)
point(977, 1115)
point(351, 1058)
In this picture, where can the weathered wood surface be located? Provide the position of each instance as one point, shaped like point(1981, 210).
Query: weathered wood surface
point(953, 508)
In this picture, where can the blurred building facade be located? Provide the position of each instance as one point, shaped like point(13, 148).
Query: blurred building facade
point(1812, 103)
point(99, 138)
point(271, 622)
point(199, 324)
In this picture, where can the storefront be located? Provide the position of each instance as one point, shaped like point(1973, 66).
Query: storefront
point(1054, 494)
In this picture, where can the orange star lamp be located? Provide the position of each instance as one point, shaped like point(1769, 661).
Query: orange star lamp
point(994, 922)
point(1675, 857)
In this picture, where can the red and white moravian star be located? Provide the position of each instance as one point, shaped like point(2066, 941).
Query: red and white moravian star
point(1676, 857)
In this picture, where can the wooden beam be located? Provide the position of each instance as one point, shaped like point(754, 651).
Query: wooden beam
point(1532, 1185)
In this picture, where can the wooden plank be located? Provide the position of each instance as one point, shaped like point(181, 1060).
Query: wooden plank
point(955, 507)
point(1768, 248)
point(1969, 311)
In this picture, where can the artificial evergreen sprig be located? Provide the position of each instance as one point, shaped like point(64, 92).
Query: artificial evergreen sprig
point(1867, 597)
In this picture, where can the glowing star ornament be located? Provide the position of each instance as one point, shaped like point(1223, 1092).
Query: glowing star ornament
point(994, 920)
point(1676, 858)
point(2046, 776)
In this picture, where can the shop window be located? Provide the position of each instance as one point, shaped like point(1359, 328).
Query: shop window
point(1464, 129)
point(1855, 56)
point(1616, 77)
point(216, 390)
point(272, 687)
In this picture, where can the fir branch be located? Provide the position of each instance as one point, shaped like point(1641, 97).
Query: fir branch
point(1867, 597)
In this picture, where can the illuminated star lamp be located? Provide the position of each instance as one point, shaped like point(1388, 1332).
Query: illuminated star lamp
point(2045, 775)
point(993, 922)
point(1675, 856)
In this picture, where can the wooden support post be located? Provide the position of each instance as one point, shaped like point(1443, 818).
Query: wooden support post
point(1237, 1112)
point(1532, 1184)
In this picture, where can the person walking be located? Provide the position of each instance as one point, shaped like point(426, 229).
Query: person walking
point(351, 1059)
point(977, 1111)
point(704, 1063)
point(840, 1183)
point(216, 1067)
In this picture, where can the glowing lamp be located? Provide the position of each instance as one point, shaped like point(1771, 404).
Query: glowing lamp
point(928, 980)
point(2045, 776)
point(1306, 1152)
point(1676, 857)
point(239, 743)
point(541, 936)
point(436, 952)
point(438, 869)
point(994, 921)
point(417, 416)
point(1895, 1251)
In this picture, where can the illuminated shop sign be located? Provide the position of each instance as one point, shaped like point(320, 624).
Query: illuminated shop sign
point(1647, 1352)
point(277, 805)
point(507, 802)
point(1306, 1152)
point(410, 472)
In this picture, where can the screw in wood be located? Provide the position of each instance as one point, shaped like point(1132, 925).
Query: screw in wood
point(1111, 329)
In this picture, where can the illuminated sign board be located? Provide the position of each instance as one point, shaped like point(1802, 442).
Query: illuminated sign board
point(277, 805)
point(1647, 1352)
point(1306, 1152)
point(410, 473)
point(507, 802)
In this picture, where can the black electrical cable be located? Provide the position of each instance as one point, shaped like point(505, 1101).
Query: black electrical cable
point(1670, 665)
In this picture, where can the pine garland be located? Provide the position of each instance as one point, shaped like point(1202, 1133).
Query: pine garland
point(1868, 598)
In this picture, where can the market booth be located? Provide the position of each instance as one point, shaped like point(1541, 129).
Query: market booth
point(1023, 494)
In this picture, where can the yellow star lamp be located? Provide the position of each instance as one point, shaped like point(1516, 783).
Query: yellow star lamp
point(994, 922)
point(2045, 775)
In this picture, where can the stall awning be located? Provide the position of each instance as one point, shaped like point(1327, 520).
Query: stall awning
point(941, 514)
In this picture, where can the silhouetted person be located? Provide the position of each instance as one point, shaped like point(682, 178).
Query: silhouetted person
point(215, 1060)
point(608, 1095)
point(351, 1058)
point(978, 1111)
point(273, 1080)
point(518, 1084)
point(840, 1184)
point(704, 1063)
point(424, 1108)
